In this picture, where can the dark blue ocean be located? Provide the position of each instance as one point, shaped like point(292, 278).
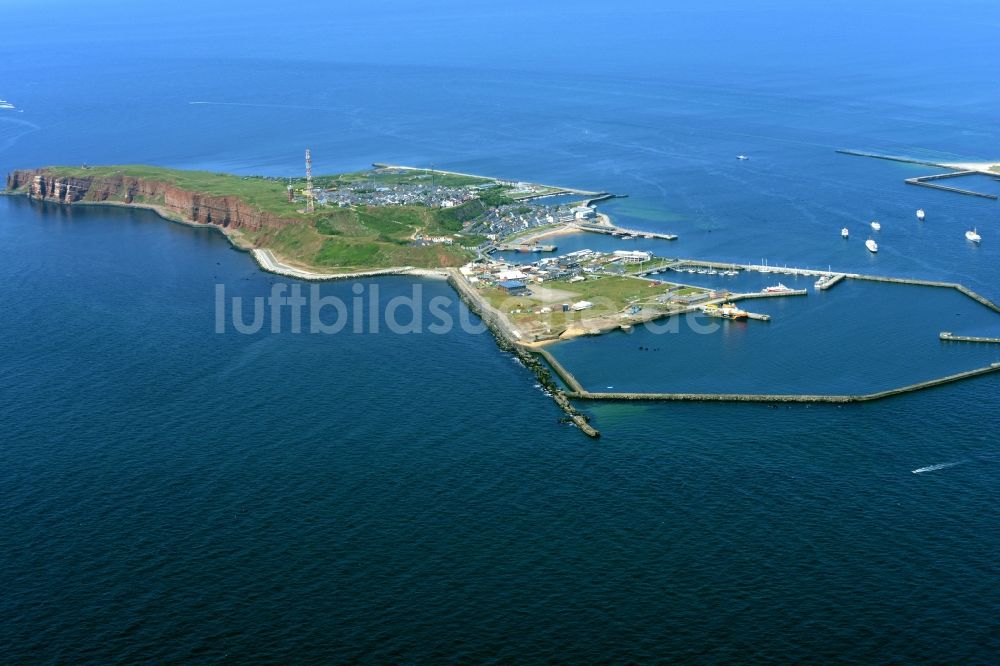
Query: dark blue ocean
point(169, 493)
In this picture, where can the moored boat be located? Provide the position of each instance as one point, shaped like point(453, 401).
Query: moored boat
point(777, 289)
point(724, 311)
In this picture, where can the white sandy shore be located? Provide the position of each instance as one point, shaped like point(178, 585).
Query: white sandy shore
point(989, 168)
point(268, 262)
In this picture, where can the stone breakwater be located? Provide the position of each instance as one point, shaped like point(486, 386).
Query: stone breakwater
point(781, 397)
point(507, 340)
point(222, 211)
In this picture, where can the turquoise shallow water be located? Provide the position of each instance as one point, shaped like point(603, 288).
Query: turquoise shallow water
point(168, 493)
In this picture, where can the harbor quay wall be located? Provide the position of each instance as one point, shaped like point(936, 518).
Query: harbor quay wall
point(946, 188)
point(948, 335)
point(564, 374)
point(782, 398)
point(767, 294)
point(939, 176)
point(891, 158)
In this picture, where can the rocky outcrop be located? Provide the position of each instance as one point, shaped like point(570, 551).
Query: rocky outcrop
point(223, 211)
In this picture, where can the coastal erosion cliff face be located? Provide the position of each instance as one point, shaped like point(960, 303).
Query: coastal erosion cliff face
point(223, 211)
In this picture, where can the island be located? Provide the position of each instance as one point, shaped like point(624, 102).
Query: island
point(456, 226)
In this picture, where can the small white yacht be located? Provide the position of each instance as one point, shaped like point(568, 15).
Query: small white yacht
point(876, 226)
point(871, 245)
point(844, 233)
point(973, 236)
point(742, 158)
point(920, 214)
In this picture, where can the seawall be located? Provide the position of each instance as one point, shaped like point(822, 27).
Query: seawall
point(508, 341)
point(781, 397)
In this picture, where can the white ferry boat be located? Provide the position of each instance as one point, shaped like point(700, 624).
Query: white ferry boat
point(777, 289)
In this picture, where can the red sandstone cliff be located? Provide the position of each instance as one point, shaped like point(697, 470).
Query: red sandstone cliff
point(222, 211)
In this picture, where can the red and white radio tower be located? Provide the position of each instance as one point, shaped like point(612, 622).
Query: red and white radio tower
point(310, 198)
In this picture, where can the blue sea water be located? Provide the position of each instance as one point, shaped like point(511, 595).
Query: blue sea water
point(168, 493)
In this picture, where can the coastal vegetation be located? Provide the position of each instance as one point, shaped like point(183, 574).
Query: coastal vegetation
point(345, 238)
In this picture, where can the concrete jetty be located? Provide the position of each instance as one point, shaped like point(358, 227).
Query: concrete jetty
point(948, 335)
point(838, 277)
point(621, 231)
point(923, 182)
point(565, 375)
point(956, 171)
point(520, 247)
point(785, 398)
point(891, 158)
point(831, 281)
point(769, 294)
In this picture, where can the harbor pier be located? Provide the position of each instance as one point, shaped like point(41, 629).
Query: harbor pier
point(955, 171)
point(783, 397)
point(612, 230)
point(923, 182)
point(948, 335)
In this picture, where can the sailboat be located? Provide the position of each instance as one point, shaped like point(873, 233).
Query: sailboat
point(871, 245)
point(973, 235)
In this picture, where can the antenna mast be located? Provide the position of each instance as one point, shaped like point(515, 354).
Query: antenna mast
point(310, 197)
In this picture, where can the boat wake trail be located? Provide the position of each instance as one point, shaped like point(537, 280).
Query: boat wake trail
point(934, 468)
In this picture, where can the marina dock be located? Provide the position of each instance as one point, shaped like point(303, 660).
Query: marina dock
point(836, 277)
point(831, 281)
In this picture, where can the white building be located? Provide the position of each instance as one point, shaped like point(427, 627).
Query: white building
point(633, 256)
